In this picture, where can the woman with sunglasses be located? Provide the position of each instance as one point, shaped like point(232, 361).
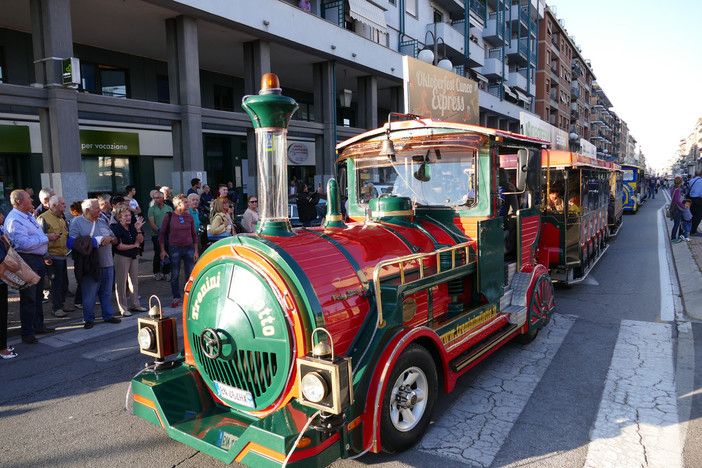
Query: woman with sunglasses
point(178, 241)
point(250, 218)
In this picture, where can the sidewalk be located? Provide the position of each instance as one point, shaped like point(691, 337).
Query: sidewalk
point(147, 287)
point(687, 259)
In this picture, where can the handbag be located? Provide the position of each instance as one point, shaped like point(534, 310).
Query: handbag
point(14, 270)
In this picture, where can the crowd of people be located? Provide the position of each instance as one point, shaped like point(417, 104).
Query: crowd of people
point(686, 207)
point(105, 237)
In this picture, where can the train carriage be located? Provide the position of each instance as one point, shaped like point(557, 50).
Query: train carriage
point(634, 183)
point(615, 209)
point(303, 346)
point(575, 222)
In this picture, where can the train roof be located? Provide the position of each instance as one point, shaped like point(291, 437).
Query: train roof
point(428, 124)
point(632, 166)
point(568, 158)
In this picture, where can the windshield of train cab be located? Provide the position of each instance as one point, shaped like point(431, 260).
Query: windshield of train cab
point(429, 177)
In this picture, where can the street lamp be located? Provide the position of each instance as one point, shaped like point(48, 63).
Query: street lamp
point(429, 56)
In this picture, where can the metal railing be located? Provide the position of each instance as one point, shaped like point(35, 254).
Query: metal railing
point(414, 261)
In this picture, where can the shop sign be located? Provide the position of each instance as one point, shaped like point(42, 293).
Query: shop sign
point(14, 139)
point(70, 71)
point(534, 127)
point(301, 153)
point(100, 143)
point(433, 92)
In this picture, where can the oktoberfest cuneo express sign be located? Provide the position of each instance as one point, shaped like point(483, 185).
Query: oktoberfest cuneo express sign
point(442, 95)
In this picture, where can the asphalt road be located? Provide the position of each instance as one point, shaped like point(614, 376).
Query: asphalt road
point(607, 384)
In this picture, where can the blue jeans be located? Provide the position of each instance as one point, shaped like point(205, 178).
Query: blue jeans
point(58, 285)
point(177, 254)
point(92, 289)
point(31, 309)
point(677, 218)
point(686, 228)
point(157, 267)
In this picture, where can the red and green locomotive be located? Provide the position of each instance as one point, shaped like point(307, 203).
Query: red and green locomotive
point(305, 346)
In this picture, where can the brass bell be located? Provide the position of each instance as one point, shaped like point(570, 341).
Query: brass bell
point(387, 148)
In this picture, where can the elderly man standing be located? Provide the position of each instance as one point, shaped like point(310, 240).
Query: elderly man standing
point(44, 195)
point(88, 232)
point(54, 221)
point(32, 244)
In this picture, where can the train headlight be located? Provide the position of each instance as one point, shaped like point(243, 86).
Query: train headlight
point(314, 387)
point(324, 380)
point(157, 334)
point(146, 338)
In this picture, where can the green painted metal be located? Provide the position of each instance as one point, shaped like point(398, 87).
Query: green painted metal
point(333, 218)
point(491, 255)
point(191, 416)
point(267, 227)
point(269, 110)
point(237, 302)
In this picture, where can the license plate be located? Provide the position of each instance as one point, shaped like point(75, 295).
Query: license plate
point(236, 395)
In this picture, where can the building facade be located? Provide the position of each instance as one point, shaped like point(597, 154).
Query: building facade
point(158, 97)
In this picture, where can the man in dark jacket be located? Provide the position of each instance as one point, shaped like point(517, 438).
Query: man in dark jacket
point(307, 204)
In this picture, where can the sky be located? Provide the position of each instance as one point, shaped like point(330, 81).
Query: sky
point(647, 57)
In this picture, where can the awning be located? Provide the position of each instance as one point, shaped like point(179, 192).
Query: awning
point(523, 96)
point(509, 91)
point(366, 12)
point(480, 77)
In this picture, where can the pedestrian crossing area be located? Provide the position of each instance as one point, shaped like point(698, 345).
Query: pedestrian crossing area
point(637, 421)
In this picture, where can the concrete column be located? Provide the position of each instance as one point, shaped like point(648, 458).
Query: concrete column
point(52, 40)
point(184, 84)
point(257, 62)
point(325, 108)
point(368, 102)
point(397, 99)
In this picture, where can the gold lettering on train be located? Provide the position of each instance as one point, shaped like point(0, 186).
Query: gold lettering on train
point(210, 283)
point(469, 325)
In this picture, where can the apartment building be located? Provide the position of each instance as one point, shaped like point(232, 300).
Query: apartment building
point(689, 157)
point(563, 81)
point(157, 101)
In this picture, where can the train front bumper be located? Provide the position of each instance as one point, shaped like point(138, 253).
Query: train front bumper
point(178, 400)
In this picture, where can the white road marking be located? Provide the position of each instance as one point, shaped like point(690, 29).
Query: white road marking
point(477, 425)
point(591, 281)
point(664, 274)
point(637, 422)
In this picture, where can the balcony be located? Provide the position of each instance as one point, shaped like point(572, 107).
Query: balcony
point(574, 93)
point(476, 56)
point(455, 43)
point(519, 13)
point(517, 80)
point(492, 68)
point(517, 51)
point(494, 28)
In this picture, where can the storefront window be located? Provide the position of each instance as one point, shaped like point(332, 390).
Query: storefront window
point(106, 174)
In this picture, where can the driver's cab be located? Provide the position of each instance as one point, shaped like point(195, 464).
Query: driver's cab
point(472, 182)
point(430, 177)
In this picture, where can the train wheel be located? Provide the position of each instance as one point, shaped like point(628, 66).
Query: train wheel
point(409, 399)
point(540, 305)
